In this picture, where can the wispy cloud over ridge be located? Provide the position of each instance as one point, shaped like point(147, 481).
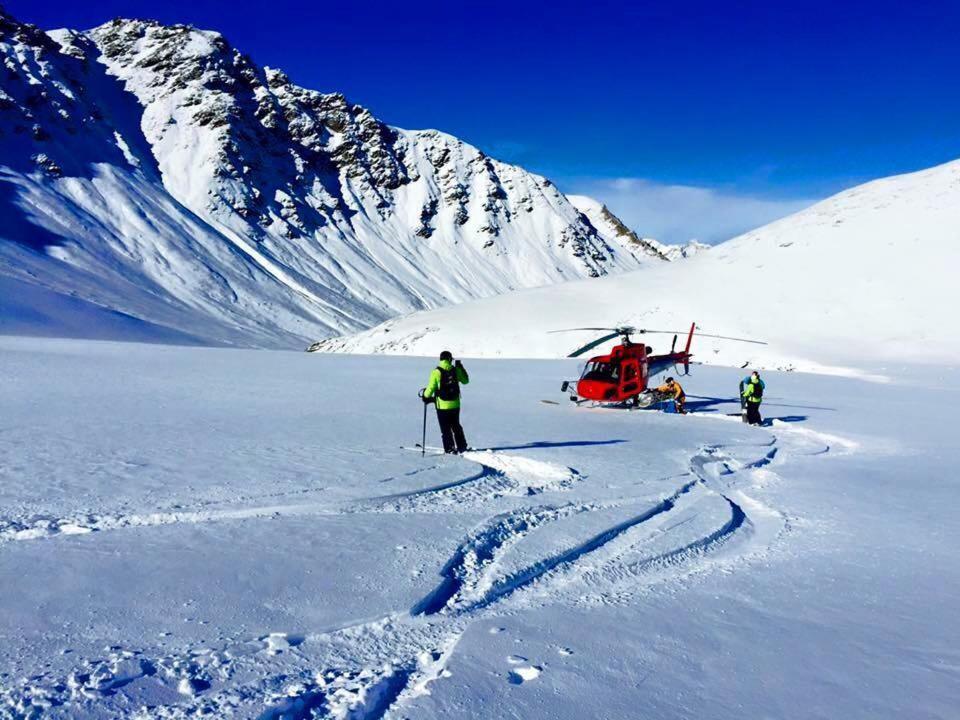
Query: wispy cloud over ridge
point(679, 213)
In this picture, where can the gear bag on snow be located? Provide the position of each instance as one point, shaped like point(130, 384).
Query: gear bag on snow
point(449, 386)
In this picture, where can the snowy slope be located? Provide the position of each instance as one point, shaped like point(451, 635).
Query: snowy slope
point(33, 310)
point(193, 551)
point(864, 277)
point(158, 172)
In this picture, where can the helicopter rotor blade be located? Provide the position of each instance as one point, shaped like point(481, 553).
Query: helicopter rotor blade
point(697, 333)
point(589, 346)
point(629, 330)
point(619, 330)
point(727, 337)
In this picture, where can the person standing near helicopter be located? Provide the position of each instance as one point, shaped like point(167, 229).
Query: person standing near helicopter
point(672, 388)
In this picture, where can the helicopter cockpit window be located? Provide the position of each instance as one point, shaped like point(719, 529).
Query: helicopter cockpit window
point(602, 371)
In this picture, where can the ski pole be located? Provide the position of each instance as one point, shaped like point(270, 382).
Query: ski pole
point(423, 443)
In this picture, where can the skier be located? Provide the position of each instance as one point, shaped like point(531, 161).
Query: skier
point(443, 389)
point(672, 388)
point(751, 393)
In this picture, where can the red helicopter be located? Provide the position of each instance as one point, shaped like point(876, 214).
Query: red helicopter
point(622, 376)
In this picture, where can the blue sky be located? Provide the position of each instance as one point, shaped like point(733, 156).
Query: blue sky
point(691, 119)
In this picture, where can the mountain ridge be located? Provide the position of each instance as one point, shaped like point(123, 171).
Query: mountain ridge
point(861, 280)
point(157, 171)
point(612, 227)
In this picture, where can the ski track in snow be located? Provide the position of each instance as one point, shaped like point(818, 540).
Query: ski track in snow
point(499, 475)
point(374, 669)
point(40, 527)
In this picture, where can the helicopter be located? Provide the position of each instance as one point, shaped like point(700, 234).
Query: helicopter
point(622, 376)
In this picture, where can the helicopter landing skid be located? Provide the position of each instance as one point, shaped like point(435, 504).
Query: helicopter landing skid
point(644, 400)
point(650, 397)
point(639, 402)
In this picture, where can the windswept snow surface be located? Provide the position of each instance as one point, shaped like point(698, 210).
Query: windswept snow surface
point(864, 278)
point(193, 532)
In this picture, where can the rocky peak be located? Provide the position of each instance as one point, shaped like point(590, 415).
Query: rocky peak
point(267, 135)
point(629, 235)
point(12, 30)
point(610, 226)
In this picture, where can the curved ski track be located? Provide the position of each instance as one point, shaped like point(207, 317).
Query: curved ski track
point(374, 669)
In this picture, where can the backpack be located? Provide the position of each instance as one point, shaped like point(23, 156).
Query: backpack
point(757, 391)
point(449, 385)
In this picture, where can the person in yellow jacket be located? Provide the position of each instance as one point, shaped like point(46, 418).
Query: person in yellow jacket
point(751, 395)
point(672, 389)
point(443, 389)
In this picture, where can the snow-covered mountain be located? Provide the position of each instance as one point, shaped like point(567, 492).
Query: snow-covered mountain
point(157, 173)
point(865, 277)
point(679, 252)
point(615, 231)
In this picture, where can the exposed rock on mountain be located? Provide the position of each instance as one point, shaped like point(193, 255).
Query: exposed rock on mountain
point(158, 172)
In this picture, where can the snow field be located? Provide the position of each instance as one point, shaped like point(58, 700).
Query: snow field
point(241, 534)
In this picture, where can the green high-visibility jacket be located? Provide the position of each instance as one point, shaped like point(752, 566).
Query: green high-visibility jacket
point(434, 384)
point(748, 390)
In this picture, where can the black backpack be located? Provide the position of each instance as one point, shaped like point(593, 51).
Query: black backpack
point(449, 385)
point(757, 391)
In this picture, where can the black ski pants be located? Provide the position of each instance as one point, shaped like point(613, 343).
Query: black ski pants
point(451, 430)
point(753, 413)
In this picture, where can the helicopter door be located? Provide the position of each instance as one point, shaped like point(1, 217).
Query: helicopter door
point(630, 383)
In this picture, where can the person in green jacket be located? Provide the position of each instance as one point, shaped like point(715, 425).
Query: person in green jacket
point(443, 389)
point(751, 393)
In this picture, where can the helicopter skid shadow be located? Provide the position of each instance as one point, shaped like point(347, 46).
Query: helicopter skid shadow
point(708, 404)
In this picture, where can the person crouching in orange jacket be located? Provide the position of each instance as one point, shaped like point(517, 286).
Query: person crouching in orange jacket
point(672, 389)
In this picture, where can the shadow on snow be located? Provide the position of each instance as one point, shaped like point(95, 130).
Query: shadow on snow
point(549, 444)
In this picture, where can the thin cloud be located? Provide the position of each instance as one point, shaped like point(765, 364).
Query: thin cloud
point(679, 213)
